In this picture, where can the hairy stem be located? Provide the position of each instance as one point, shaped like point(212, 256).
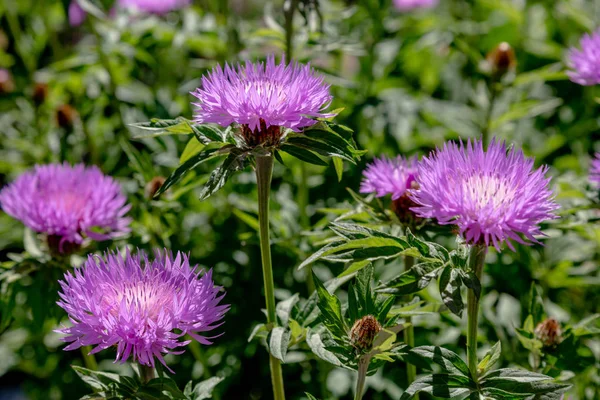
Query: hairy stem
point(264, 172)
point(147, 373)
point(363, 366)
point(89, 359)
point(409, 334)
point(476, 261)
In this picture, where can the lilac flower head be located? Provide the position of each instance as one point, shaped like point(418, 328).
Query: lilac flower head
point(492, 195)
point(408, 5)
point(586, 62)
point(142, 306)
point(595, 171)
point(389, 176)
point(76, 14)
point(155, 6)
point(68, 203)
point(262, 98)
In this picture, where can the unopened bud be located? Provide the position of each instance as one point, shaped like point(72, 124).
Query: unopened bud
point(501, 59)
point(65, 116)
point(549, 332)
point(402, 208)
point(40, 93)
point(153, 186)
point(7, 84)
point(363, 332)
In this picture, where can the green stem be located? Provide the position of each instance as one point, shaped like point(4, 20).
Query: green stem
point(147, 373)
point(485, 133)
point(409, 334)
point(89, 359)
point(363, 366)
point(476, 261)
point(264, 172)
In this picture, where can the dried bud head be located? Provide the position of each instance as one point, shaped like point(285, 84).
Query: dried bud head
point(40, 93)
point(7, 84)
point(363, 332)
point(549, 332)
point(501, 59)
point(153, 186)
point(65, 116)
point(261, 135)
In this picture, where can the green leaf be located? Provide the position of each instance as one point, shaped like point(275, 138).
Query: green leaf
point(471, 281)
point(303, 155)
point(314, 341)
point(284, 308)
point(448, 360)
point(98, 381)
point(250, 220)
point(90, 7)
point(325, 149)
point(412, 281)
point(165, 387)
point(338, 164)
point(257, 329)
point(206, 133)
point(536, 304)
point(279, 340)
point(526, 109)
point(310, 396)
point(160, 127)
point(234, 162)
point(363, 290)
point(186, 167)
point(517, 381)
point(203, 390)
point(490, 358)
point(192, 148)
point(354, 267)
point(445, 386)
point(449, 286)
point(331, 310)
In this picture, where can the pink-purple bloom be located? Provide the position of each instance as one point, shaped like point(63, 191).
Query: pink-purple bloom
point(262, 95)
point(142, 306)
point(154, 6)
point(389, 176)
point(408, 5)
point(585, 62)
point(595, 171)
point(493, 196)
point(68, 203)
point(76, 14)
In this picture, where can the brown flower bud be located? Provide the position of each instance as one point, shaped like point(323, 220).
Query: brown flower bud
point(549, 332)
point(40, 93)
point(153, 186)
point(261, 135)
point(363, 332)
point(402, 208)
point(7, 84)
point(3, 40)
point(65, 116)
point(501, 59)
point(61, 248)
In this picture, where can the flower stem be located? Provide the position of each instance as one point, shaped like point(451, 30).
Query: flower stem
point(363, 366)
point(89, 359)
point(409, 334)
point(485, 133)
point(147, 373)
point(264, 172)
point(476, 261)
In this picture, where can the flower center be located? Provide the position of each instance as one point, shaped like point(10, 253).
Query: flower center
point(145, 297)
point(267, 89)
point(484, 191)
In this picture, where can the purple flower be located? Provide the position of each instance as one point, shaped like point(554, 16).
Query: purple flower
point(262, 96)
point(586, 62)
point(492, 195)
point(68, 203)
point(408, 5)
point(389, 176)
point(155, 6)
point(76, 14)
point(595, 171)
point(143, 307)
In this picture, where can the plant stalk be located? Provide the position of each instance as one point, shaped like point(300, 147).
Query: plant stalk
point(476, 262)
point(363, 366)
point(264, 173)
point(147, 373)
point(409, 334)
point(89, 359)
point(485, 133)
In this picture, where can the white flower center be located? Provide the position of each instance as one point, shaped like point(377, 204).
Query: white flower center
point(485, 190)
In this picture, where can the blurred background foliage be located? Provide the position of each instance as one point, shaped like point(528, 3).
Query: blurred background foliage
point(406, 82)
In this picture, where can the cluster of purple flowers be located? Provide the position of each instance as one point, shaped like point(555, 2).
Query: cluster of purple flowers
point(493, 196)
point(585, 62)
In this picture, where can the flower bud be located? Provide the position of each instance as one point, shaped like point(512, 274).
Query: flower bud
point(153, 186)
point(7, 84)
point(549, 332)
point(501, 60)
point(40, 93)
point(363, 332)
point(402, 208)
point(65, 116)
